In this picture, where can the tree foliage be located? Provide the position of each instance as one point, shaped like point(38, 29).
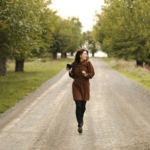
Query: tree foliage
point(30, 28)
point(66, 35)
point(90, 42)
point(123, 29)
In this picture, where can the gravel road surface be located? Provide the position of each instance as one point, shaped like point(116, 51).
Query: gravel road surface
point(117, 116)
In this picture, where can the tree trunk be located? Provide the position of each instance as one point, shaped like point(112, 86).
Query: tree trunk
point(139, 63)
point(19, 65)
point(71, 53)
point(63, 55)
point(147, 64)
point(92, 54)
point(2, 66)
point(54, 55)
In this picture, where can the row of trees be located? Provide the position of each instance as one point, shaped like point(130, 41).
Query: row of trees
point(30, 28)
point(122, 29)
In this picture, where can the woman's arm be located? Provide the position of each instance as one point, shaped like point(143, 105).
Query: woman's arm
point(71, 74)
point(70, 71)
point(90, 71)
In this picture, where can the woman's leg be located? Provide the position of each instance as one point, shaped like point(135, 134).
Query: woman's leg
point(79, 112)
point(80, 109)
point(83, 107)
point(83, 103)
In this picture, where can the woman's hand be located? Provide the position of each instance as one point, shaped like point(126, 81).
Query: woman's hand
point(84, 73)
point(69, 70)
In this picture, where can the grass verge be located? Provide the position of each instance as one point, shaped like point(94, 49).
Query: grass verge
point(129, 69)
point(16, 85)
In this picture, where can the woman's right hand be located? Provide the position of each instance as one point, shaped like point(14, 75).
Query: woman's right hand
point(69, 70)
point(84, 73)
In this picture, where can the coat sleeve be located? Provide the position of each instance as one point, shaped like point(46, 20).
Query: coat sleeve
point(90, 71)
point(71, 75)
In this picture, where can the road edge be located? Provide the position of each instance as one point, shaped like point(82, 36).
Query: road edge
point(12, 113)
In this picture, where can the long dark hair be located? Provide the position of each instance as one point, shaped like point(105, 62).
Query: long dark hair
point(78, 53)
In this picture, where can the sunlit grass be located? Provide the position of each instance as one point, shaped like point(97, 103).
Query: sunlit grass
point(129, 69)
point(16, 85)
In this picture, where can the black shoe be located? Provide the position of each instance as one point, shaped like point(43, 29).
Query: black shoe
point(80, 129)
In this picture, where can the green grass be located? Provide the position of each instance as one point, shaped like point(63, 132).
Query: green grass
point(16, 85)
point(129, 69)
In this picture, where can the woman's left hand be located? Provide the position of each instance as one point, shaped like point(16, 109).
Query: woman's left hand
point(84, 73)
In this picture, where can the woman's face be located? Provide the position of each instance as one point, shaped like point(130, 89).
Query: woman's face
point(83, 56)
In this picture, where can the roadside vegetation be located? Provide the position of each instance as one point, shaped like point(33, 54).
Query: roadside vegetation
point(122, 29)
point(16, 85)
point(130, 69)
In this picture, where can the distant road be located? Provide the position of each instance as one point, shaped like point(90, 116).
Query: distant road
point(117, 116)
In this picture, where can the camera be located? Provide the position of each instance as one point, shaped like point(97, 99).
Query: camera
point(69, 66)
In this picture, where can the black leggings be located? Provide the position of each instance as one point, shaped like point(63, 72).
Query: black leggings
point(80, 109)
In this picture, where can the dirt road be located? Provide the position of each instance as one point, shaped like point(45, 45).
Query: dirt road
point(117, 116)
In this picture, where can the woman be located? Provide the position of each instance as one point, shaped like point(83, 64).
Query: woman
point(81, 71)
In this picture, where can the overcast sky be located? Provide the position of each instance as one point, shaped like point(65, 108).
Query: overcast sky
point(83, 9)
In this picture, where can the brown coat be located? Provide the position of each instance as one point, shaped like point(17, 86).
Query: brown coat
point(81, 85)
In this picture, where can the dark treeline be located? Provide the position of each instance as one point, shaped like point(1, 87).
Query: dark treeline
point(123, 30)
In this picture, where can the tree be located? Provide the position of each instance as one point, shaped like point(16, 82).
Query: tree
point(90, 42)
point(4, 34)
point(66, 36)
point(123, 28)
point(75, 35)
point(31, 26)
point(21, 30)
